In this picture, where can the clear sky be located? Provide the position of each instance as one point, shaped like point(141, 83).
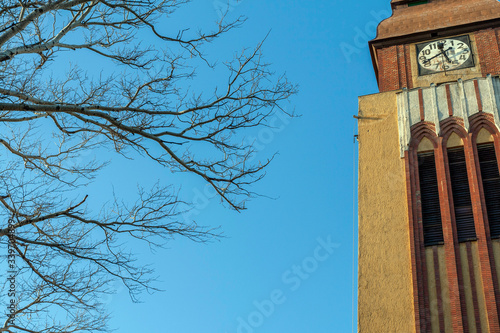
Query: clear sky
point(286, 264)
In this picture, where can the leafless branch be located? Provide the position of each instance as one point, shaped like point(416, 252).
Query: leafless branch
point(69, 255)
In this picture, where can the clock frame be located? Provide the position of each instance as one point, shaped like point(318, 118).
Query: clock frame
point(444, 55)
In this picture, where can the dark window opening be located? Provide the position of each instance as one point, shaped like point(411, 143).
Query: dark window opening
point(429, 196)
point(416, 3)
point(462, 202)
point(491, 185)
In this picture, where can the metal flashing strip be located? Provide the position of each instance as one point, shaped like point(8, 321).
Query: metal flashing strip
point(403, 121)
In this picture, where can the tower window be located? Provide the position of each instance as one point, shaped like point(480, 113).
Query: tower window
point(491, 185)
point(429, 193)
point(464, 216)
point(416, 3)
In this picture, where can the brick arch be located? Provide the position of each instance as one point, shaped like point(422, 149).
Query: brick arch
point(479, 121)
point(452, 125)
point(483, 120)
point(418, 132)
point(422, 130)
point(455, 274)
point(453, 256)
point(454, 271)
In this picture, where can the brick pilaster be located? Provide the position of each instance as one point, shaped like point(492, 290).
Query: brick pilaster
point(388, 69)
point(414, 238)
point(451, 246)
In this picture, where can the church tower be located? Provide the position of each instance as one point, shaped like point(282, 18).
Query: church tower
point(429, 181)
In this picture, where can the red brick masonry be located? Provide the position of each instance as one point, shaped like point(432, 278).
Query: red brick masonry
point(394, 65)
point(488, 276)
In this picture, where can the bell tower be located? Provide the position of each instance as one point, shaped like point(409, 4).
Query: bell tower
point(429, 180)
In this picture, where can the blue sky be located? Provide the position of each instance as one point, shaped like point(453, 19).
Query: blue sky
point(286, 263)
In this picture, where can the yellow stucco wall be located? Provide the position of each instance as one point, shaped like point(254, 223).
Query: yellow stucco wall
point(479, 285)
point(385, 301)
point(431, 281)
point(467, 288)
point(445, 290)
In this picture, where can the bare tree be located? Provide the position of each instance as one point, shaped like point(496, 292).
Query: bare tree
point(67, 255)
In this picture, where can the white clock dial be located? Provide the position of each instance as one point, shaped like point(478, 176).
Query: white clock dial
point(444, 55)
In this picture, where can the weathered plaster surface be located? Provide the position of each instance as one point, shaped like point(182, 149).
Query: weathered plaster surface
point(385, 302)
point(464, 103)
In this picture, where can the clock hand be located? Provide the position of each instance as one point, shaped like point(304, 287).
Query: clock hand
point(432, 58)
point(443, 51)
point(426, 61)
point(446, 56)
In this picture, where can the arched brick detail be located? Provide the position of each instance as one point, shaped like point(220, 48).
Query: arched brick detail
point(452, 251)
point(487, 262)
point(483, 120)
point(418, 259)
point(421, 130)
point(452, 247)
point(452, 125)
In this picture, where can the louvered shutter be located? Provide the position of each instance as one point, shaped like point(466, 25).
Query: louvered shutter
point(464, 217)
point(491, 185)
point(429, 194)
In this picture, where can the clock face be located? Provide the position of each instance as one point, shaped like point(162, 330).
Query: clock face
point(444, 55)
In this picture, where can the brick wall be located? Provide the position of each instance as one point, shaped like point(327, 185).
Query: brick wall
point(486, 273)
point(394, 68)
point(488, 51)
point(394, 62)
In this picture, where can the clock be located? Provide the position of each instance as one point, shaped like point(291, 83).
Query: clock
point(444, 55)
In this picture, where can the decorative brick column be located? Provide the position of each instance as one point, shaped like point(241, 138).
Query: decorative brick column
point(487, 262)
